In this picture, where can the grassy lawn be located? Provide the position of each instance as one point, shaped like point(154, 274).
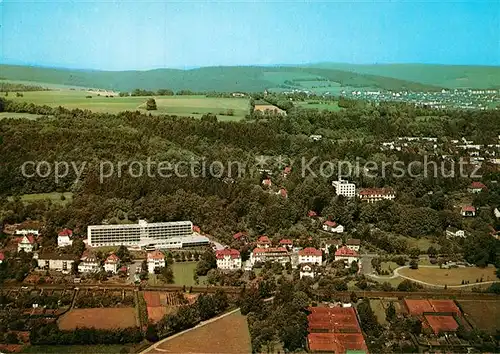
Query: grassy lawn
point(452, 276)
point(422, 243)
point(329, 106)
point(194, 106)
point(388, 266)
point(379, 310)
point(54, 197)
point(183, 273)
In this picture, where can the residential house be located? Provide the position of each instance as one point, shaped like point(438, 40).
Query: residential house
point(372, 195)
point(326, 245)
point(111, 264)
point(307, 270)
point(263, 242)
point(452, 232)
point(26, 243)
point(344, 188)
point(196, 229)
point(332, 226)
point(2, 257)
point(89, 264)
point(228, 259)
point(476, 187)
point(156, 259)
point(347, 255)
point(64, 238)
point(286, 243)
point(267, 182)
point(279, 254)
point(353, 244)
point(58, 262)
point(312, 214)
point(315, 137)
point(283, 193)
point(287, 171)
point(468, 210)
point(310, 255)
point(28, 227)
point(240, 236)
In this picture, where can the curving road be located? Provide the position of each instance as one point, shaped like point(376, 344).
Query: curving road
point(396, 274)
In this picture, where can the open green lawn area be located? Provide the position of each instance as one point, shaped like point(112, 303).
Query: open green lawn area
point(328, 105)
point(422, 243)
point(388, 266)
point(54, 197)
point(194, 106)
point(183, 273)
point(379, 310)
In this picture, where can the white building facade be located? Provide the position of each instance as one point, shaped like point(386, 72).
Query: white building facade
point(60, 263)
point(155, 260)
point(310, 255)
point(343, 187)
point(228, 259)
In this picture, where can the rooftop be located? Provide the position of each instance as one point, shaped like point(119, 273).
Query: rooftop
point(346, 252)
point(156, 255)
point(310, 251)
point(229, 252)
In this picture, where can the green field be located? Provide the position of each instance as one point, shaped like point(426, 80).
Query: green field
point(328, 105)
point(183, 273)
point(54, 197)
point(194, 106)
point(4, 115)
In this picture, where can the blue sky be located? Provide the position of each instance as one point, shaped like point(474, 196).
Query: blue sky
point(125, 35)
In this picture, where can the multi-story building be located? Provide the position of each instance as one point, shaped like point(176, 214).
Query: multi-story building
point(89, 264)
point(452, 232)
point(263, 242)
point(279, 254)
point(353, 244)
point(147, 235)
point(343, 187)
point(112, 263)
point(287, 243)
point(372, 195)
point(326, 245)
point(156, 259)
point(347, 255)
point(64, 238)
point(51, 261)
point(228, 259)
point(307, 270)
point(310, 255)
point(26, 243)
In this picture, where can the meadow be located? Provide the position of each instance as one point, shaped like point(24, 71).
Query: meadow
point(55, 197)
point(194, 106)
point(452, 276)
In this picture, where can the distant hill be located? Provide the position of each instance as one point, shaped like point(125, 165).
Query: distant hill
point(448, 76)
point(224, 78)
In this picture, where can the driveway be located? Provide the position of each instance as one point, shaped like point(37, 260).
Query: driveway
point(133, 266)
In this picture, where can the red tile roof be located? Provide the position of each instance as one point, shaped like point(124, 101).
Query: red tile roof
point(376, 191)
point(112, 258)
point(283, 192)
point(220, 254)
point(441, 324)
point(156, 255)
point(264, 240)
point(2, 256)
point(30, 237)
point(477, 185)
point(66, 232)
point(196, 229)
point(286, 241)
point(287, 170)
point(312, 213)
point(267, 182)
point(310, 251)
point(346, 252)
point(270, 250)
point(469, 208)
point(330, 223)
point(239, 235)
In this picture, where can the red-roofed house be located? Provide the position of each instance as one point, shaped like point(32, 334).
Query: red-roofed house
point(156, 259)
point(477, 187)
point(89, 264)
point(196, 229)
point(240, 236)
point(468, 210)
point(279, 254)
point(372, 195)
point(312, 214)
point(286, 243)
point(228, 259)
point(283, 192)
point(112, 263)
point(2, 257)
point(263, 242)
point(347, 255)
point(310, 255)
point(64, 238)
point(287, 171)
point(26, 243)
point(332, 226)
point(267, 182)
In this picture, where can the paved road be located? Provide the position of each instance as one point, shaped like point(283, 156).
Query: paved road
point(366, 263)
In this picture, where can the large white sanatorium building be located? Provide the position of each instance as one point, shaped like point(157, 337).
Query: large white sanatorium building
point(150, 236)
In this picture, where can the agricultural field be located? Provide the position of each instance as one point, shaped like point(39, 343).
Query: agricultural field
point(55, 197)
point(100, 318)
point(453, 276)
point(226, 335)
point(194, 106)
point(159, 304)
point(327, 105)
point(484, 315)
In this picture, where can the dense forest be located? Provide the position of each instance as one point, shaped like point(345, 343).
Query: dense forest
point(223, 206)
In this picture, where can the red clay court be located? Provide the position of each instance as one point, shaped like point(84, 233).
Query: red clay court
point(336, 342)
point(440, 324)
point(445, 306)
point(336, 319)
point(419, 307)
